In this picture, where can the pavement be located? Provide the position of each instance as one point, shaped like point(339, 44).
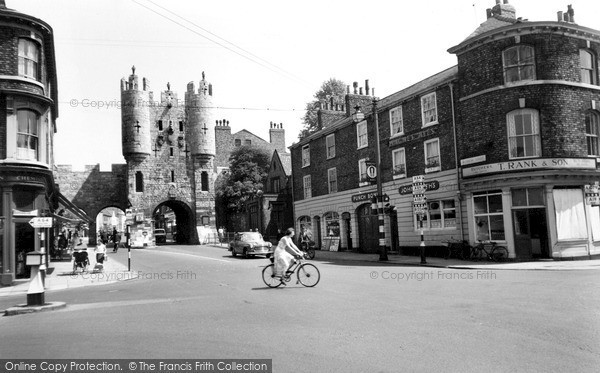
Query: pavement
point(452, 263)
point(60, 275)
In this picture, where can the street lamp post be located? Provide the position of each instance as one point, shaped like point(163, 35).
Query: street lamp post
point(357, 117)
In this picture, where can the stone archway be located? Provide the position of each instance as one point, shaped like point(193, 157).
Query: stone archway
point(185, 223)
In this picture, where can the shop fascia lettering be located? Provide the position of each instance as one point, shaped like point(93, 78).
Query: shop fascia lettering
point(532, 164)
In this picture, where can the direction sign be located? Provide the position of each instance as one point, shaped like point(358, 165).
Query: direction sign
point(419, 199)
point(371, 171)
point(42, 222)
point(418, 179)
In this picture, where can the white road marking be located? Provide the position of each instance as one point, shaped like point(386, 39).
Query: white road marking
point(195, 256)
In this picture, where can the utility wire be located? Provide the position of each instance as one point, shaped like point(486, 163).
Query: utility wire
point(257, 60)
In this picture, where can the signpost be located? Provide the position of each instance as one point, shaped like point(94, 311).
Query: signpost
point(41, 222)
point(420, 207)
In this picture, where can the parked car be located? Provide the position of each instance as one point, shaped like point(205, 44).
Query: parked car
point(160, 236)
point(250, 244)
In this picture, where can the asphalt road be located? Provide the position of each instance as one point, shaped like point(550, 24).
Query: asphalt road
point(199, 303)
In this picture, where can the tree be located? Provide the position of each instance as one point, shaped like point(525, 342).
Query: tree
point(330, 88)
point(248, 166)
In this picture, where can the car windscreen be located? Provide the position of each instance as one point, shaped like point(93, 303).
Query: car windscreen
point(251, 237)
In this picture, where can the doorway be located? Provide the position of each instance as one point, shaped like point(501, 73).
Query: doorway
point(368, 229)
point(531, 233)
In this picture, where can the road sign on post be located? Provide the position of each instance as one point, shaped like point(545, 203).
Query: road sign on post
point(420, 208)
point(41, 222)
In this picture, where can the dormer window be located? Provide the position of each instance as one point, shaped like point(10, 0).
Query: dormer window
point(519, 63)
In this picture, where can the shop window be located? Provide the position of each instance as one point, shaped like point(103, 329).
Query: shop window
point(399, 163)
point(489, 222)
point(306, 155)
point(307, 186)
point(362, 137)
point(523, 134)
point(439, 214)
point(519, 63)
point(139, 182)
point(396, 121)
point(332, 224)
point(429, 109)
point(28, 123)
point(587, 66)
point(29, 55)
point(592, 129)
point(330, 145)
point(24, 199)
point(332, 180)
point(570, 214)
point(306, 223)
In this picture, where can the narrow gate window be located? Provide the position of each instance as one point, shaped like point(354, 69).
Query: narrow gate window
point(204, 181)
point(139, 181)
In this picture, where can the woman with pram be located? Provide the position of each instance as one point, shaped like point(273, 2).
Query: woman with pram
point(80, 260)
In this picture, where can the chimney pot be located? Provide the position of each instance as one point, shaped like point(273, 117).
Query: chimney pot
point(367, 87)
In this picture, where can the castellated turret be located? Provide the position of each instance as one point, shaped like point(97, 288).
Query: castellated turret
point(135, 118)
point(200, 130)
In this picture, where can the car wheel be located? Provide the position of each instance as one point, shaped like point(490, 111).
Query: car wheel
point(233, 253)
point(246, 256)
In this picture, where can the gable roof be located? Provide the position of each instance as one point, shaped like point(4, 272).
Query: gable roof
point(284, 160)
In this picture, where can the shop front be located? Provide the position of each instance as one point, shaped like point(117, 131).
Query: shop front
point(546, 208)
point(26, 193)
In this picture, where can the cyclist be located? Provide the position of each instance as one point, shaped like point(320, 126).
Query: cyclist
point(284, 254)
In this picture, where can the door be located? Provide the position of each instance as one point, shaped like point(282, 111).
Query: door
point(24, 243)
point(531, 233)
point(368, 229)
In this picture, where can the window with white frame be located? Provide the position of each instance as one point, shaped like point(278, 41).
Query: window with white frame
point(361, 134)
point(306, 155)
point(307, 186)
point(488, 215)
point(432, 155)
point(399, 163)
point(523, 133)
point(592, 129)
point(519, 63)
point(29, 55)
point(396, 121)
point(330, 145)
point(587, 64)
point(362, 171)
point(28, 123)
point(440, 214)
point(332, 180)
point(429, 109)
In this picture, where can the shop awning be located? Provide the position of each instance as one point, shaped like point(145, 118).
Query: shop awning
point(73, 209)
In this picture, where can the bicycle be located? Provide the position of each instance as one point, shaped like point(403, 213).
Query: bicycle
point(459, 249)
point(308, 274)
point(308, 247)
point(489, 251)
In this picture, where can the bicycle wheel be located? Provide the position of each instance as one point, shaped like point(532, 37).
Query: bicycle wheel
point(268, 276)
point(500, 253)
point(308, 275)
point(475, 253)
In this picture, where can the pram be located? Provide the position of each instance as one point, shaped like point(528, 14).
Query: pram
point(80, 260)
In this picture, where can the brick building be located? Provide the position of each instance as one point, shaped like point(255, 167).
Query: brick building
point(507, 141)
point(28, 113)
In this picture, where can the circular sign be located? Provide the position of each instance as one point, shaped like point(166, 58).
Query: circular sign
point(371, 171)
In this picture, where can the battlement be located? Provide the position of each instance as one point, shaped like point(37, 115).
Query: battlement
point(132, 83)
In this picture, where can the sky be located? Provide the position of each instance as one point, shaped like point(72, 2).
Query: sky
point(264, 58)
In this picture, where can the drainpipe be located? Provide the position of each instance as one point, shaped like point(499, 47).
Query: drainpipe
point(456, 163)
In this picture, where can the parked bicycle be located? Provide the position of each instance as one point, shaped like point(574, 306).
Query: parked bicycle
point(307, 274)
point(459, 249)
point(490, 251)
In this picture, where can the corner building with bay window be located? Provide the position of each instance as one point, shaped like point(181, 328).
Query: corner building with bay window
point(528, 134)
point(508, 142)
point(28, 112)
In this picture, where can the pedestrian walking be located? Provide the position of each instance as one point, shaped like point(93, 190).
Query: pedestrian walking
point(115, 239)
point(100, 255)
